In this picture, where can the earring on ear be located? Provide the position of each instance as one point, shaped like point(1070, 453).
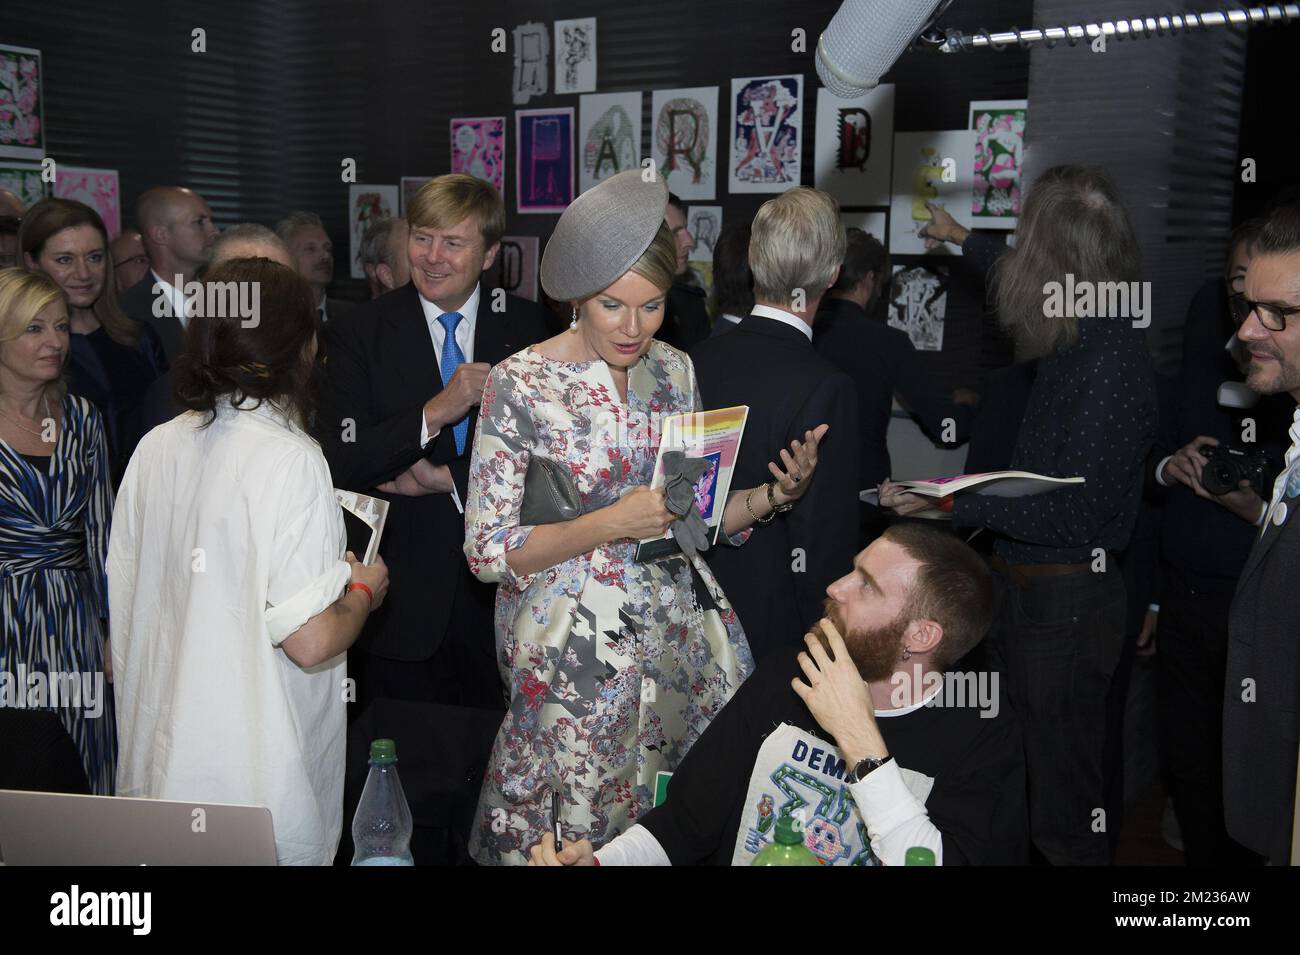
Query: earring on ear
point(573, 323)
point(907, 654)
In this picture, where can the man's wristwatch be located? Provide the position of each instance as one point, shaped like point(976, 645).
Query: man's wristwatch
point(771, 500)
point(856, 774)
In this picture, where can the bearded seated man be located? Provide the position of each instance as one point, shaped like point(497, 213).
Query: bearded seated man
point(867, 737)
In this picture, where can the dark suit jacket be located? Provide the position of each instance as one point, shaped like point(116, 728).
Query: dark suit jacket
point(138, 303)
point(722, 326)
point(882, 361)
point(686, 318)
point(337, 308)
point(379, 370)
point(1260, 732)
point(790, 389)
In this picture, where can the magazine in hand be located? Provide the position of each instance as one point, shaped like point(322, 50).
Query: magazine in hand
point(714, 436)
point(993, 483)
point(363, 518)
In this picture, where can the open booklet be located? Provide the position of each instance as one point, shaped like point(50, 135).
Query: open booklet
point(714, 436)
point(994, 483)
point(363, 518)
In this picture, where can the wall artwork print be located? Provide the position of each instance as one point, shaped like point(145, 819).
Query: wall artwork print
point(684, 140)
point(478, 148)
point(999, 157)
point(410, 186)
point(515, 268)
point(544, 159)
point(22, 113)
point(366, 206)
point(766, 145)
point(24, 180)
point(929, 167)
point(854, 147)
point(575, 56)
point(704, 223)
point(532, 46)
point(97, 188)
point(609, 136)
point(918, 299)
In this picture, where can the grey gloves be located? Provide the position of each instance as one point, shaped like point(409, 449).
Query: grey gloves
point(680, 475)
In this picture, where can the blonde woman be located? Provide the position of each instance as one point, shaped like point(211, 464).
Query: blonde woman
point(55, 503)
point(614, 667)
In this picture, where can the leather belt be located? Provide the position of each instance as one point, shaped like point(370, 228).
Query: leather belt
point(1020, 574)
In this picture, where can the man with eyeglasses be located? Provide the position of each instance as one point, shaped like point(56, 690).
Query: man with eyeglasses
point(1261, 713)
point(130, 260)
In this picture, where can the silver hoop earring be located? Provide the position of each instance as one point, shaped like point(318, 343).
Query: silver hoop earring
point(573, 324)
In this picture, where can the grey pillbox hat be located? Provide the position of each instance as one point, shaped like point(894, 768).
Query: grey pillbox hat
point(602, 234)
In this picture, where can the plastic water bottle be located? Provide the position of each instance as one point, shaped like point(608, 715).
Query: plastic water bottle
point(919, 855)
point(787, 846)
point(381, 829)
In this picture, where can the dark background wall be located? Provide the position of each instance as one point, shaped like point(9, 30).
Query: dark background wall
point(287, 89)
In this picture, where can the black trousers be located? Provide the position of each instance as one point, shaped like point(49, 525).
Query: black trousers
point(1056, 643)
point(461, 672)
point(1192, 653)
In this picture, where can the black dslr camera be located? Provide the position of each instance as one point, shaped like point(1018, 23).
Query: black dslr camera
point(1228, 466)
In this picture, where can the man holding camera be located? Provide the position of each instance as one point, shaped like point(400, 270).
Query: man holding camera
point(1261, 709)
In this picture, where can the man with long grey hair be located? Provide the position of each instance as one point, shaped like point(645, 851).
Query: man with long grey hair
point(1091, 414)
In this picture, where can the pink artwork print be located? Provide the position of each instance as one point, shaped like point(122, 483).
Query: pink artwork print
point(97, 188)
point(478, 148)
point(21, 131)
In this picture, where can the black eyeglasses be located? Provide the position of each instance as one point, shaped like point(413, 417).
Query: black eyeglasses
point(1270, 316)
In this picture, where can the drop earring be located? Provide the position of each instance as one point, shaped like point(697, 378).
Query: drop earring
point(573, 323)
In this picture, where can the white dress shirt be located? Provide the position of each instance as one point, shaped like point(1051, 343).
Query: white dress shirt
point(781, 315)
point(176, 299)
point(225, 541)
point(465, 339)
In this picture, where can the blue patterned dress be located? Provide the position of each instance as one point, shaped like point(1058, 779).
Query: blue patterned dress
point(615, 667)
point(53, 544)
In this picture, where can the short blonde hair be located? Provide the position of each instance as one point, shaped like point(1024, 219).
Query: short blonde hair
point(448, 200)
point(797, 242)
point(22, 296)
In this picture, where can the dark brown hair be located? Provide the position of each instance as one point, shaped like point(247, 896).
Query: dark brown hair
point(1280, 234)
point(863, 255)
point(266, 361)
point(49, 217)
point(953, 588)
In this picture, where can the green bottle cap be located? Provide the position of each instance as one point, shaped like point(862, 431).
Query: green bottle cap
point(383, 751)
point(919, 855)
point(789, 831)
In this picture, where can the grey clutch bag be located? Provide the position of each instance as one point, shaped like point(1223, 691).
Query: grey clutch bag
point(550, 496)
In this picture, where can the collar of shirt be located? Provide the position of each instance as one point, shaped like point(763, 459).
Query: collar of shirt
point(175, 298)
point(781, 315)
point(904, 710)
point(464, 331)
point(734, 319)
point(269, 410)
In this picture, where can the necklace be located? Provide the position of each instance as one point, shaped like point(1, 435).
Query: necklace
point(45, 402)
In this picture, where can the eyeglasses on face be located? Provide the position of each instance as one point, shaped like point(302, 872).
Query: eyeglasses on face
point(1271, 317)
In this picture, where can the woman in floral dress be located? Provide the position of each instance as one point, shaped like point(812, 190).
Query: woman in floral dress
point(614, 667)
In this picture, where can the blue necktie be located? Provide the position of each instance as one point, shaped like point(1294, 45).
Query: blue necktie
point(453, 358)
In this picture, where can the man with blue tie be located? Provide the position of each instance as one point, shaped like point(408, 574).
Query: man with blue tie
point(401, 380)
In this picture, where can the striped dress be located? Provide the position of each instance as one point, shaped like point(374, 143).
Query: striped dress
point(53, 545)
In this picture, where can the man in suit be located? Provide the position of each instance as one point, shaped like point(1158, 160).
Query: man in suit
point(178, 233)
point(400, 384)
point(686, 318)
point(313, 257)
point(777, 580)
point(733, 283)
point(383, 255)
point(1261, 712)
point(881, 360)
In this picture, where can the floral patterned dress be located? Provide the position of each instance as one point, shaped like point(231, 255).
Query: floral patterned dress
point(615, 667)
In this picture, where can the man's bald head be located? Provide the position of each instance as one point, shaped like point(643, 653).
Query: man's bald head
point(177, 228)
point(250, 241)
point(10, 204)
